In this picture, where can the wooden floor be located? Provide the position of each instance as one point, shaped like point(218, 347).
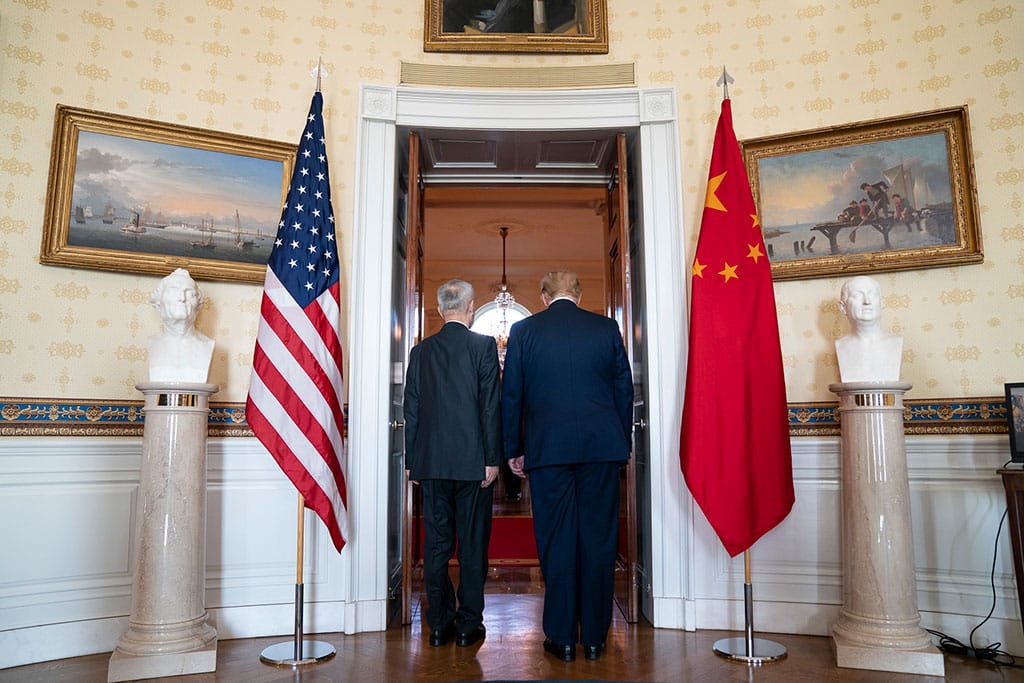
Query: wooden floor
point(512, 651)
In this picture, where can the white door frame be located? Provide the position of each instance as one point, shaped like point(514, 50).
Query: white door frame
point(666, 594)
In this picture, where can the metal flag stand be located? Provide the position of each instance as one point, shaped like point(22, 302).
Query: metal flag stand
point(298, 652)
point(749, 649)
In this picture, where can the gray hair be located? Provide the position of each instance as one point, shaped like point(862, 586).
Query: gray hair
point(454, 295)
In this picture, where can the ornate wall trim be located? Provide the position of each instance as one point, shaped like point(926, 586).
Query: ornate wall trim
point(85, 417)
point(82, 417)
point(925, 416)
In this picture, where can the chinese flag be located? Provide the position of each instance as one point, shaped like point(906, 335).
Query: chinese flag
point(734, 445)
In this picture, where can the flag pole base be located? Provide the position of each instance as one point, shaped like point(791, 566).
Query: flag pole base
point(761, 651)
point(283, 654)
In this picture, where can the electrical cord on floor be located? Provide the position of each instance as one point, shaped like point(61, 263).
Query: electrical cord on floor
point(991, 652)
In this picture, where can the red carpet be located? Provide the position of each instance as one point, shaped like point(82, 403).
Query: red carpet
point(512, 542)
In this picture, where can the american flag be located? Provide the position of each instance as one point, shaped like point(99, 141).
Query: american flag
point(295, 394)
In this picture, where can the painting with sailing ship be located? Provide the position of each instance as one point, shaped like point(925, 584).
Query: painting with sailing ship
point(857, 198)
point(889, 194)
point(158, 198)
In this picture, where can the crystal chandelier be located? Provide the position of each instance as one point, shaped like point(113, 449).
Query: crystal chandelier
point(503, 301)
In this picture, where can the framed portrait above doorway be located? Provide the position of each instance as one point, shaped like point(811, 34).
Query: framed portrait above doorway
point(553, 26)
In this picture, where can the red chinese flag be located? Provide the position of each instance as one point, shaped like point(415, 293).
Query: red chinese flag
point(734, 445)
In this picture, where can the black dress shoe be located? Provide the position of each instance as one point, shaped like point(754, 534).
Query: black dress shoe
point(442, 635)
point(467, 639)
point(567, 653)
point(593, 651)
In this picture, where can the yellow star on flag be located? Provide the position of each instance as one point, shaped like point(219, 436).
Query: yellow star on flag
point(728, 272)
point(754, 252)
point(698, 269)
point(711, 201)
point(755, 221)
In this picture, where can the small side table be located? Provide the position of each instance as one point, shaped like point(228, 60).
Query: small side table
point(1013, 482)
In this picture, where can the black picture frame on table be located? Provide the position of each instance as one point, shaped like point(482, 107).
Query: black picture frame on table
point(1015, 419)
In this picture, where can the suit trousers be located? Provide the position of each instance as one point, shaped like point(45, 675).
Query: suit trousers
point(576, 521)
point(455, 511)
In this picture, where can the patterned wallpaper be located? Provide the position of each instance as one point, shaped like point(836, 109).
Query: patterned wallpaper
point(243, 66)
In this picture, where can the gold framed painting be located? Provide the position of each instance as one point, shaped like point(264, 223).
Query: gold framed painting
point(132, 195)
point(554, 26)
point(884, 195)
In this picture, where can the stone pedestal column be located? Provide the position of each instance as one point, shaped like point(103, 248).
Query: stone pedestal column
point(879, 625)
point(167, 631)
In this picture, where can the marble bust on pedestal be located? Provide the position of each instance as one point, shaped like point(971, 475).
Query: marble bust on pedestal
point(181, 353)
point(868, 353)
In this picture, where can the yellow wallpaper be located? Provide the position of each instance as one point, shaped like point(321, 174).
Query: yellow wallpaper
point(243, 66)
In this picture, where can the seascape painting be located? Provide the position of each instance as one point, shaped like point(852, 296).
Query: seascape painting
point(137, 195)
point(140, 196)
point(891, 194)
point(858, 198)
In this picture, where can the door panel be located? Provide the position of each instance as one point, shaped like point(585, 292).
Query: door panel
point(412, 322)
point(396, 451)
point(620, 305)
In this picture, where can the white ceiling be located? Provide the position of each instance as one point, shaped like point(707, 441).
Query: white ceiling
point(505, 156)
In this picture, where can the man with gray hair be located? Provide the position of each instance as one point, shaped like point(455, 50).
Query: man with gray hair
point(452, 450)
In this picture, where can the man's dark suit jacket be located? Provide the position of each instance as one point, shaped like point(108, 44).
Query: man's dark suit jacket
point(452, 412)
point(567, 368)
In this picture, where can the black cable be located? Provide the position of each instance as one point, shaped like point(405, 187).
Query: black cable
point(991, 652)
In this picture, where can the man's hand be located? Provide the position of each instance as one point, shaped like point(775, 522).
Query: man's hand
point(490, 474)
point(412, 480)
point(516, 465)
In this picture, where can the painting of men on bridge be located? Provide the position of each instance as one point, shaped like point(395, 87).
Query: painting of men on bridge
point(884, 195)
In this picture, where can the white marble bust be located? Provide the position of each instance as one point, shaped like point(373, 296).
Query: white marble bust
point(181, 353)
point(868, 353)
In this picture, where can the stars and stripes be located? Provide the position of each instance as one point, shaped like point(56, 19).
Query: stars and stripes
point(296, 393)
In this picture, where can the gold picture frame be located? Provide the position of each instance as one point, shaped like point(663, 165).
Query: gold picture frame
point(131, 195)
point(539, 26)
point(904, 186)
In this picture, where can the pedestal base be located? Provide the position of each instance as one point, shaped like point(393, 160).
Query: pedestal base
point(927, 661)
point(125, 667)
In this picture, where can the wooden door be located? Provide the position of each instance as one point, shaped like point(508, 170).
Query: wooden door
point(619, 301)
point(413, 332)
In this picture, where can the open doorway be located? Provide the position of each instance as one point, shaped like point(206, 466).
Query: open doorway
point(375, 469)
point(502, 234)
point(546, 227)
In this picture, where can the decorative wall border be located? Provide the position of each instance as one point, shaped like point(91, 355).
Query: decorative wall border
point(925, 416)
point(81, 417)
point(85, 417)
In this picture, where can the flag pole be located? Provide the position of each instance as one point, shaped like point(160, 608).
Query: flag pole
point(298, 652)
point(266, 412)
point(749, 649)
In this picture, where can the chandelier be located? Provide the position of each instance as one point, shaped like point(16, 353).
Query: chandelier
point(503, 301)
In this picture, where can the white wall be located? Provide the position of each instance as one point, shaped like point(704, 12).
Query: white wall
point(68, 503)
point(68, 506)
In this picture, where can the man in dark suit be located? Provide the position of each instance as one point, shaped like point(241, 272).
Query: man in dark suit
point(453, 449)
point(567, 403)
